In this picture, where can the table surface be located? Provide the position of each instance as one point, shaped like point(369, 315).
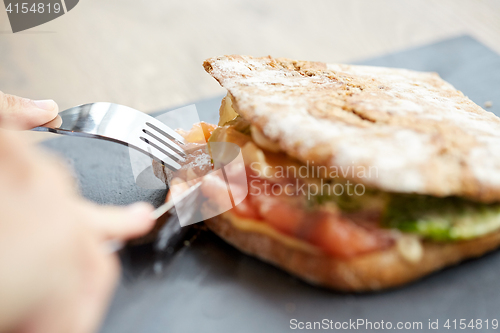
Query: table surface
point(211, 287)
point(148, 54)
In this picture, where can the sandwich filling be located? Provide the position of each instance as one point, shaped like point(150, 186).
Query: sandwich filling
point(343, 224)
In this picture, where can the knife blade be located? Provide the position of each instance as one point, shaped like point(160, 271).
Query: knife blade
point(181, 198)
point(184, 200)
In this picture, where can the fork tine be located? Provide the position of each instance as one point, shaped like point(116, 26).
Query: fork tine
point(164, 130)
point(169, 145)
point(158, 153)
point(163, 144)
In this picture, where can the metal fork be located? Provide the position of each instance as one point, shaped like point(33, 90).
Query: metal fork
point(124, 125)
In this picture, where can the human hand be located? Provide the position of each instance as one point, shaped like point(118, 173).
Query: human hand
point(56, 273)
point(22, 113)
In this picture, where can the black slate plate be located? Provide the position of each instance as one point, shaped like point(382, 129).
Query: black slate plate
point(211, 287)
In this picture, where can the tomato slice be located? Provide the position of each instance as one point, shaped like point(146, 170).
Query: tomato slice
point(341, 237)
point(247, 210)
point(280, 214)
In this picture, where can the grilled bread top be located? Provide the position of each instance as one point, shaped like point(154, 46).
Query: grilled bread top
point(413, 130)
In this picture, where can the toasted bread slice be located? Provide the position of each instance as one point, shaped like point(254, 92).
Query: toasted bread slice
point(421, 134)
point(371, 272)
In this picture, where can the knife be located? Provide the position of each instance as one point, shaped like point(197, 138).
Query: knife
point(184, 202)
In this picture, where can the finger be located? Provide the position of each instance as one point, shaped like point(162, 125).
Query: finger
point(94, 299)
point(123, 223)
point(23, 113)
point(54, 123)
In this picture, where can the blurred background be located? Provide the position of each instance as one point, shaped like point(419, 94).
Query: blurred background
point(149, 54)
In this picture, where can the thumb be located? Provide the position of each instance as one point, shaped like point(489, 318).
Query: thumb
point(124, 223)
point(23, 113)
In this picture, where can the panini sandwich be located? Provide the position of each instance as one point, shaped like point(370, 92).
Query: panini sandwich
point(359, 178)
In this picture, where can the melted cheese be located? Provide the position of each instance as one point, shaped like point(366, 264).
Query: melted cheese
point(263, 142)
point(410, 248)
point(250, 225)
point(226, 111)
